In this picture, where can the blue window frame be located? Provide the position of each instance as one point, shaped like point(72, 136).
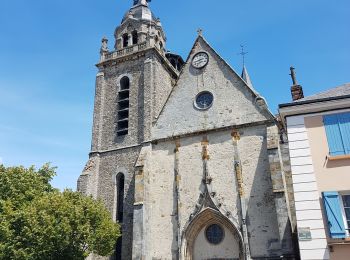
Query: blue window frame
point(338, 133)
point(346, 204)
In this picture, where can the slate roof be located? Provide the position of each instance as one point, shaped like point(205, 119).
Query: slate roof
point(140, 11)
point(342, 90)
point(245, 76)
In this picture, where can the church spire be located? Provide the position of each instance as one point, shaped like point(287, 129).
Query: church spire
point(245, 76)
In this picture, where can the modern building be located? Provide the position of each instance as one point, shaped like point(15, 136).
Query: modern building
point(318, 129)
point(185, 155)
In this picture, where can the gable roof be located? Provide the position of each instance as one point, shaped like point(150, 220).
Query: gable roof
point(250, 86)
point(200, 37)
point(236, 103)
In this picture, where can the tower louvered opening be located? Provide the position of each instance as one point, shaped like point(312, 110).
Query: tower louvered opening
point(135, 37)
point(123, 107)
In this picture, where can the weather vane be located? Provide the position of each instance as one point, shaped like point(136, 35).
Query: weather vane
point(243, 54)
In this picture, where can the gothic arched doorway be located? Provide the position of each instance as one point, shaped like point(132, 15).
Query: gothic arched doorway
point(210, 235)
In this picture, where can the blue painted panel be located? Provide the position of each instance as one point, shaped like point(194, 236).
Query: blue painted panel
point(335, 142)
point(344, 124)
point(332, 205)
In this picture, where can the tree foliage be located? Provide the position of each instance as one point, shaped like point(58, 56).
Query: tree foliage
point(39, 222)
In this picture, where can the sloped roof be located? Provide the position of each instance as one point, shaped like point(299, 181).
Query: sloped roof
point(342, 90)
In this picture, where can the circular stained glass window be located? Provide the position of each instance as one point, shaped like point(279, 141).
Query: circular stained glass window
point(214, 234)
point(204, 100)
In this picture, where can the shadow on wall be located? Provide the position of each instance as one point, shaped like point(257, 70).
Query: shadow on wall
point(127, 225)
point(263, 229)
point(336, 163)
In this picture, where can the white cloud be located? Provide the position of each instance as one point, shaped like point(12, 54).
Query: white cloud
point(0, 160)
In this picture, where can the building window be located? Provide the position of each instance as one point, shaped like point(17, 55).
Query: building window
point(135, 37)
point(123, 107)
point(125, 40)
point(120, 184)
point(337, 209)
point(338, 133)
point(118, 249)
point(346, 205)
point(120, 197)
point(214, 234)
point(204, 100)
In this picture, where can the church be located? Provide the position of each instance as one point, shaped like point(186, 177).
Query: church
point(185, 153)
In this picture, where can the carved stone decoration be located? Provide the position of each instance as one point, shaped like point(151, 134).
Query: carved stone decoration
point(208, 206)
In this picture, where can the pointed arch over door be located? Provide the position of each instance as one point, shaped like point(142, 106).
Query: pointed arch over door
point(196, 238)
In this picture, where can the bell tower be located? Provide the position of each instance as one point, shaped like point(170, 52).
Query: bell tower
point(134, 80)
point(139, 25)
point(133, 83)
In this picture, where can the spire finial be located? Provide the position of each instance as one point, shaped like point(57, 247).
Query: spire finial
point(243, 54)
point(200, 32)
point(293, 74)
point(104, 46)
point(141, 2)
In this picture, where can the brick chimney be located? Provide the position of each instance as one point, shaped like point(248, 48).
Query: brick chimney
point(296, 89)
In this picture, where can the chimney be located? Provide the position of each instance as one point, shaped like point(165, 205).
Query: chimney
point(296, 89)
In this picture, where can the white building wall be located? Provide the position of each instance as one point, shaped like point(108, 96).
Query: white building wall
point(307, 199)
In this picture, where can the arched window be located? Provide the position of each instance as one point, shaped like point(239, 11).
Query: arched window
point(118, 249)
point(125, 40)
point(135, 37)
point(123, 107)
point(120, 181)
point(161, 45)
point(124, 83)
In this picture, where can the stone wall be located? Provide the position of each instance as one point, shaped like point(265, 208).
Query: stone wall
point(262, 222)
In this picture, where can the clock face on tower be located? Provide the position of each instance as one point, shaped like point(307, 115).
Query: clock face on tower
point(200, 60)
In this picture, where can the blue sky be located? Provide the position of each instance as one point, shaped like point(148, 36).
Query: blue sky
point(48, 50)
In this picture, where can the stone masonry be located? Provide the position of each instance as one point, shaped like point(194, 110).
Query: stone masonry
point(185, 169)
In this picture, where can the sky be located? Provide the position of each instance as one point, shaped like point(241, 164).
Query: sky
point(48, 50)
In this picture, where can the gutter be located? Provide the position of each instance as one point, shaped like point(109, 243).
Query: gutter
point(313, 101)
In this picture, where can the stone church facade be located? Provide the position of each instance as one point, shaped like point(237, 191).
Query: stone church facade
point(185, 155)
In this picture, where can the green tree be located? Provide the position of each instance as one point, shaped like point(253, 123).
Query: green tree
point(38, 222)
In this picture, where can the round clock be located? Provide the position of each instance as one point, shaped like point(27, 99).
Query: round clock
point(204, 100)
point(200, 60)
